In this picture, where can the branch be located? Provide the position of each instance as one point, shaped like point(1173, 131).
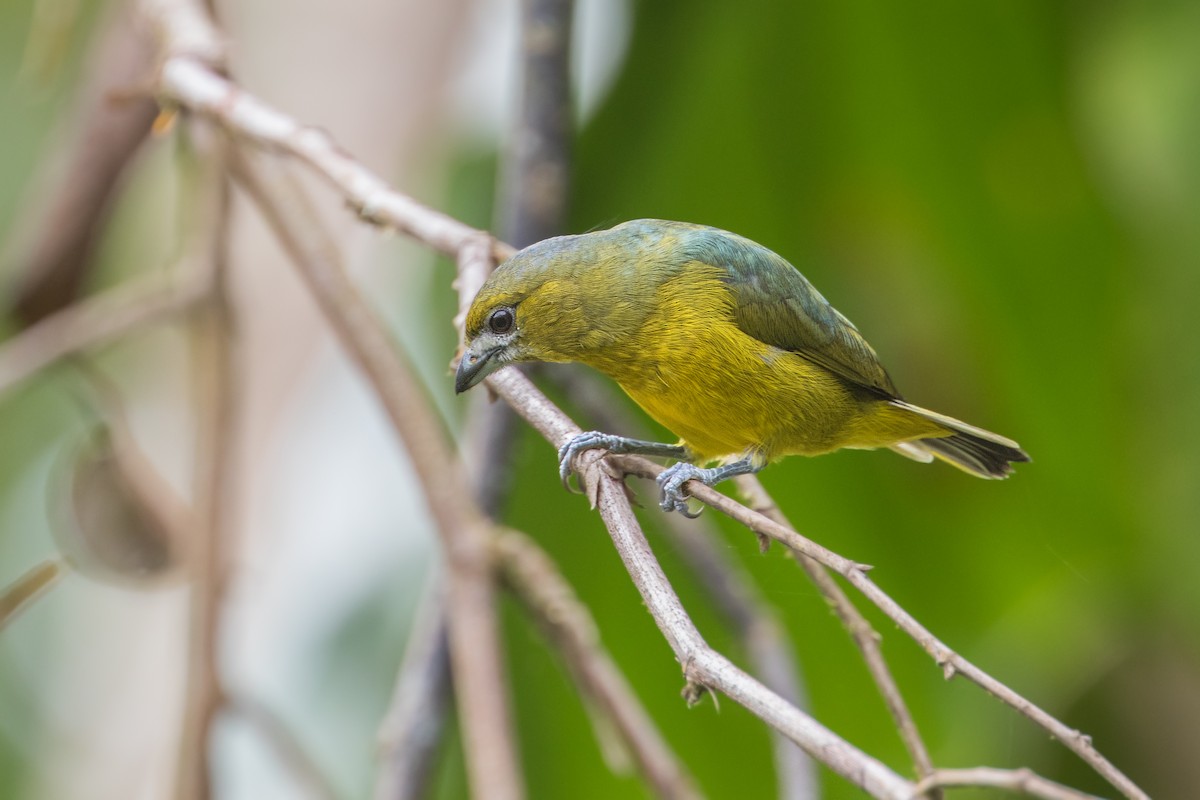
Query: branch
point(21, 593)
point(531, 205)
point(289, 748)
point(186, 81)
point(412, 727)
point(474, 639)
point(701, 664)
point(1021, 781)
point(951, 662)
point(535, 171)
point(97, 321)
point(756, 624)
point(215, 378)
point(535, 579)
point(864, 636)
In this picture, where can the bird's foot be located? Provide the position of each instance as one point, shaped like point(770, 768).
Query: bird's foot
point(591, 440)
point(670, 486)
point(595, 440)
point(672, 479)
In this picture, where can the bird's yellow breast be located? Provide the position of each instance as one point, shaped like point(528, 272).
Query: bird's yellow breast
point(725, 393)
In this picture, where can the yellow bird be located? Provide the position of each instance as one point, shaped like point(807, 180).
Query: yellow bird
point(718, 338)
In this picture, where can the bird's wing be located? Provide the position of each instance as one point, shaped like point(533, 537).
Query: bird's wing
point(777, 305)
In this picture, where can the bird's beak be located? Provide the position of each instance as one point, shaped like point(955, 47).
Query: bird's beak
point(476, 364)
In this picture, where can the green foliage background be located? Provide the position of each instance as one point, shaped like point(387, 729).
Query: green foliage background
point(1005, 197)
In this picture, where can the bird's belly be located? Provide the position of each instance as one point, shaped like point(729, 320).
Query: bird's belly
point(762, 400)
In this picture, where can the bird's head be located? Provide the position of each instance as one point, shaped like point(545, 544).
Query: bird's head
point(493, 336)
point(527, 310)
point(571, 298)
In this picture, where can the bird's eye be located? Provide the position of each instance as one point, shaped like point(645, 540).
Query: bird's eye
point(501, 320)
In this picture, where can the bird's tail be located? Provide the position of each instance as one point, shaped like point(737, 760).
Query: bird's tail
point(971, 449)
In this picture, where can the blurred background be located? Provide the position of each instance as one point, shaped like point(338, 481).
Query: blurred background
point(1005, 198)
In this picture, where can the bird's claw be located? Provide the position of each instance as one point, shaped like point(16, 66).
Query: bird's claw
point(591, 440)
point(670, 481)
point(670, 486)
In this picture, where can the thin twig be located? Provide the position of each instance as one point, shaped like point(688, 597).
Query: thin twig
point(190, 83)
point(533, 576)
point(747, 613)
point(412, 727)
point(531, 205)
point(951, 662)
point(215, 386)
point(539, 584)
point(21, 593)
point(860, 630)
point(756, 624)
point(1020, 781)
point(474, 639)
point(569, 626)
point(414, 723)
point(185, 80)
point(276, 732)
point(97, 321)
point(535, 172)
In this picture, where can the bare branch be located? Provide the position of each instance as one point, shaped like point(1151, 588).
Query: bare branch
point(191, 84)
point(21, 593)
point(412, 727)
point(185, 80)
point(756, 624)
point(97, 321)
point(1020, 781)
point(290, 750)
point(535, 172)
point(531, 205)
point(216, 411)
point(709, 670)
point(864, 636)
point(536, 580)
point(951, 662)
point(474, 640)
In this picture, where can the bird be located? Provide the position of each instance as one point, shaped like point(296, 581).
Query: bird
point(720, 340)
